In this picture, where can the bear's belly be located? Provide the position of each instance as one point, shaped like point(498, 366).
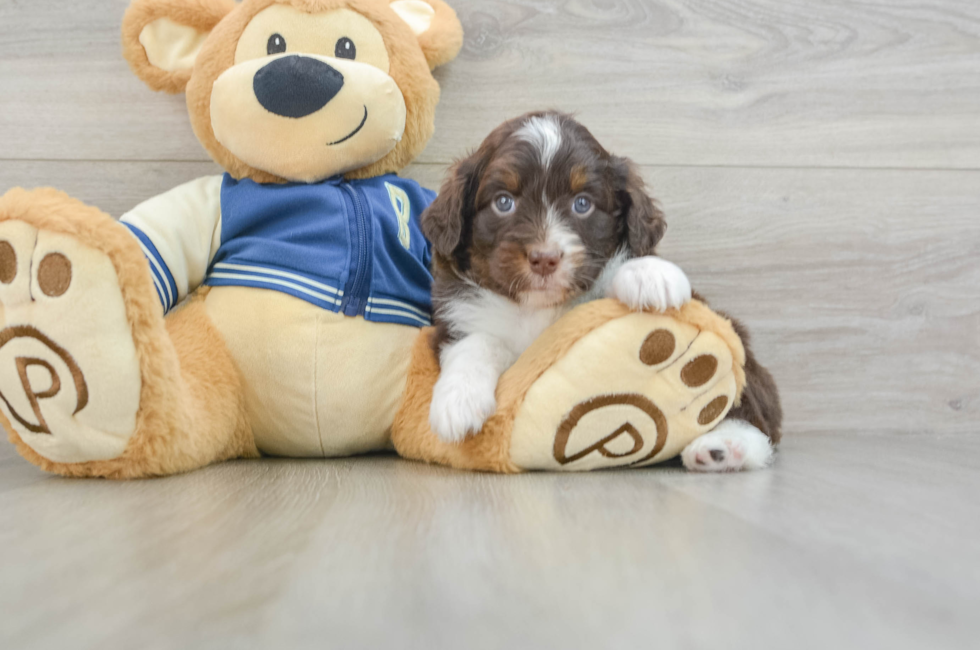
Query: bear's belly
point(316, 383)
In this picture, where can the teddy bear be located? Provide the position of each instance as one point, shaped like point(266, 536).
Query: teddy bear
point(283, 307)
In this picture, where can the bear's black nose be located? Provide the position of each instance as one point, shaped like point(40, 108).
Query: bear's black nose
point(296, 86)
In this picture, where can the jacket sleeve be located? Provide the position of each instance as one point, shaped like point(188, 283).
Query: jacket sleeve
point(179, 232)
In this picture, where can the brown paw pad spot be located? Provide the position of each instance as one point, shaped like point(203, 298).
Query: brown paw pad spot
point(8, 262)
point(712, 410)
point(699, 370)
point(657, 347)
point(54, 275)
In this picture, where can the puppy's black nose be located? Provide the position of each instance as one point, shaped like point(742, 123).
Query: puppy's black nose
point(296, 86)
point(544, 262)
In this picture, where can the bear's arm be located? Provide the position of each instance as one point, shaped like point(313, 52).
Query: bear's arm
point(179, 232)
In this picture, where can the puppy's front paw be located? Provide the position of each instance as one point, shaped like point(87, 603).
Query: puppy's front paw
point(732, 446)
point(651, 283)
point(460, 407)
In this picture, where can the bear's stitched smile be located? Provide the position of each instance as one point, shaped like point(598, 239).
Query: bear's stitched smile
point(354, 132)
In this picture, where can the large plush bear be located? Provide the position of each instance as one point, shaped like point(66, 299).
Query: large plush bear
point(277, 309)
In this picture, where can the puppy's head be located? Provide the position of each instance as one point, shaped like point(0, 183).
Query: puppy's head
point(537, 211)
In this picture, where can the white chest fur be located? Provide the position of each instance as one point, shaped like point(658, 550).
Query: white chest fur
point(515, 326)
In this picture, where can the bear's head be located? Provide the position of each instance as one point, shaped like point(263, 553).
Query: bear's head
point(299, 90)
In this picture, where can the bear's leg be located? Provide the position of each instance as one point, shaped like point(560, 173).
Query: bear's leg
point(93, 380)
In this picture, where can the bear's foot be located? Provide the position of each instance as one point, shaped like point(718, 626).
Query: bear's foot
point(604, 387)
point(630, 393)
point(69, 372)
point(93, 380)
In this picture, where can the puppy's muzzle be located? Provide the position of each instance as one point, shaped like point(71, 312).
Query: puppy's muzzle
point(296, 86)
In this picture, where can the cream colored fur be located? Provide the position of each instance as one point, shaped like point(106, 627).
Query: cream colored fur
point(98, 344)
point(170, 46)
point(329, 386)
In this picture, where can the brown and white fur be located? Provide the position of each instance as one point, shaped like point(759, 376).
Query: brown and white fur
point(539, 219)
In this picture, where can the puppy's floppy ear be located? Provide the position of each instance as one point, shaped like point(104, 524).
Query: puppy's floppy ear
point(161, 38)
point(645, 223)
point(443, 221)
point(436, 26)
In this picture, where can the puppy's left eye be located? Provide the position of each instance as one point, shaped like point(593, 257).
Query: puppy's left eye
point(504, 204)
point(582, 206)
point(345, 49)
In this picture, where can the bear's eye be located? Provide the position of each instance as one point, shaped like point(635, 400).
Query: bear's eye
point(345, 49)
point(276, 45)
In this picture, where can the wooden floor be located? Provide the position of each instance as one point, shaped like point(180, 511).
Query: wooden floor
point(858, 542)
point(819, 164)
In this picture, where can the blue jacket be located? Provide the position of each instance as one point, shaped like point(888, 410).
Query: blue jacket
point(354, 247)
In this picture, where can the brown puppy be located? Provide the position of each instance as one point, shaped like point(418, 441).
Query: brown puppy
point(538, 220)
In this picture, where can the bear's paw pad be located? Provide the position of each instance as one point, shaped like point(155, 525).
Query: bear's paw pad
point(69, 375)
point(630, 393)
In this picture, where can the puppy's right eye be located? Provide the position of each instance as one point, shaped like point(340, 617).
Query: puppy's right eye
point(276, 44)
point(504, 204)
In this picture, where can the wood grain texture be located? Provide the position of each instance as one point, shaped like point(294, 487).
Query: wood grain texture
point(862, 288)
point(848, 542)
point(668, 82)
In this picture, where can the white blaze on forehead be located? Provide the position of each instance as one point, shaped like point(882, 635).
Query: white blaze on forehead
point(544, 134)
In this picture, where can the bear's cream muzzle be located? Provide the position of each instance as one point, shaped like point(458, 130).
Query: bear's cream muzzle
point(306, 117)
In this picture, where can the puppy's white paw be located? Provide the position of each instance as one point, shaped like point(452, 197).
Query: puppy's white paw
point(732, 446)
point(651, 283)
point(461, 406)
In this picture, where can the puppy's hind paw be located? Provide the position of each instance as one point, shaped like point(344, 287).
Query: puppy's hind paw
point(651, 283)
point(733, 445)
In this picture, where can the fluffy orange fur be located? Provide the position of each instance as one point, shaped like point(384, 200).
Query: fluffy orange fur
point(444, 38)
point(488, 452)
point(202, 15)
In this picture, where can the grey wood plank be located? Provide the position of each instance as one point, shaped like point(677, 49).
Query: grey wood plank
point(862, 288)
point(895, 502)
point(113, 187)
point(117, 187)
point(378, 552)
point(668, 82)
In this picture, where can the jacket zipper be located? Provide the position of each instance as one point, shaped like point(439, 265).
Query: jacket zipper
point(353, 303)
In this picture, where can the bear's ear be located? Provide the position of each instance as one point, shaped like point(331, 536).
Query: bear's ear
point(436, 26)
point(161, 38)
